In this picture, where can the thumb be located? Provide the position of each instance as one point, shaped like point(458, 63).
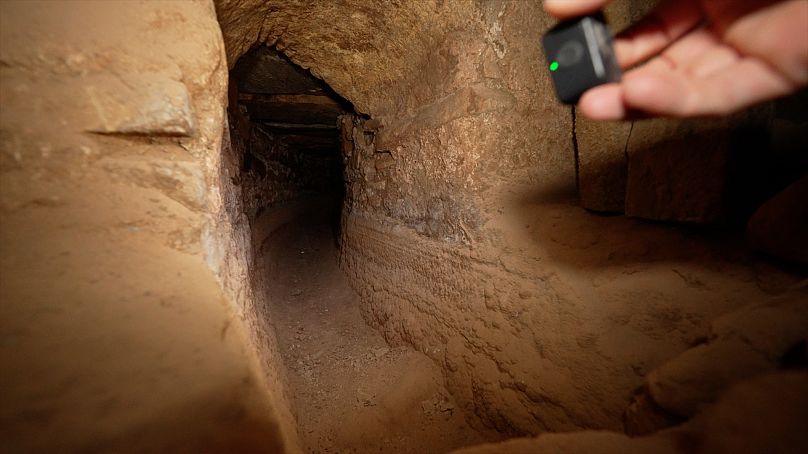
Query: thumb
point(564, 9)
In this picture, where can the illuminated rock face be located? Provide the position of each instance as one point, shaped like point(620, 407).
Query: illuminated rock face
point(121, 239)
point(461, 227)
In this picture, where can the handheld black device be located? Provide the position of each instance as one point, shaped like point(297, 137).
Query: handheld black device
point(580, 56)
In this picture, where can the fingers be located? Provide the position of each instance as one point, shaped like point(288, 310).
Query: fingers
point(736, 86)
point(667, 23)
point(693, 72)
point(564, 9)
point(720, 86)
point(604, 102)
point(778, 34)
point(658, 93)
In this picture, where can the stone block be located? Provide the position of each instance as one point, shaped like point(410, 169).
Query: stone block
point(602, 164)
point(765, 414)
point(676, 170)
point(181, 181)
point(685, 170)
point(142, 104)
point(744, 343)
point(602, 161)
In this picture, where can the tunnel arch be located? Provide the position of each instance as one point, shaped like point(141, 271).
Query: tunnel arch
point(132, 246)
point(284, 125)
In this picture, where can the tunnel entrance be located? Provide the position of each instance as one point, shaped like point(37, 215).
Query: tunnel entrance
point(284, 124)
point(350, 390)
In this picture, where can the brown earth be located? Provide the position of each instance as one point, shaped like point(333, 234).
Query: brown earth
point(99, 357)
point(145, 308)
point(351, 392)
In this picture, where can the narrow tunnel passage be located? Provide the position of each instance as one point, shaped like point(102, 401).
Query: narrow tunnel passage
point(135, 317)
point(283, 123)
point(350, 391)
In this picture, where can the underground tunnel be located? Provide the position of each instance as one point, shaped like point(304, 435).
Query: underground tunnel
point(302, 226)
point(284, 127)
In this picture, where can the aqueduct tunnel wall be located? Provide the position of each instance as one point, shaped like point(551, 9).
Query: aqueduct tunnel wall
point(122, 238)
point(461, 228)
point(457, 229)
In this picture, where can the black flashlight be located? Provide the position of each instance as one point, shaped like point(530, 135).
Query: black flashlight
point(580, 56)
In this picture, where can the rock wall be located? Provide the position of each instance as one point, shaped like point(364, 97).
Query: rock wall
point(112, 123)
point(445, 87)
point(743, 388)
point(698, 171)
point(602, 147)
point(759, 415)
point(270, 171)
point(461, 230)
point(230, 248)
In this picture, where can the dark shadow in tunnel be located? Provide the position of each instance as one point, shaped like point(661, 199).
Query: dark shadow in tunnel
point(755, 165)
point(284, 130)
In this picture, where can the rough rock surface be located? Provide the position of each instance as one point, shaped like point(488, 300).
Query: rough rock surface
point(679, 170)
point(458, 231)
point(758, 416)
point(602, 164)
point(588, 442)
point(114, 210)
point(143, 104)
point(741, 344)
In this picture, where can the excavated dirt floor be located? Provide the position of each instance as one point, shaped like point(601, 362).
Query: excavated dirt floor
point(351, 392)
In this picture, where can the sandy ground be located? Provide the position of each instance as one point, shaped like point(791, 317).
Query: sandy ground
point(351, 392)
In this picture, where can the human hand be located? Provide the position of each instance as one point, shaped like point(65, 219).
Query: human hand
point(702, 57)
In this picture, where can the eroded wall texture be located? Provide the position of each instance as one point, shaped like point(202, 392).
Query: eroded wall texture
point(461, 229)
point(116, 205)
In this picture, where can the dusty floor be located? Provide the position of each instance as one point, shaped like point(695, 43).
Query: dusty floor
point(352, 393)
point(580, 307)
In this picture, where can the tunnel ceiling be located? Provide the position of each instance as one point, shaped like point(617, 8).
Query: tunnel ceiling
point(265, 71)
point(287, 101)
point(387, 57)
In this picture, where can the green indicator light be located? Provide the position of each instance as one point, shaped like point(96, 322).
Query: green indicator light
point(554, 66)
